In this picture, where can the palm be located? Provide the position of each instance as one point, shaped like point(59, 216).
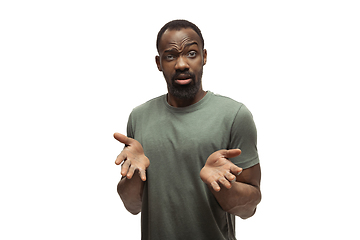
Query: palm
point(219, 168)
point(133, 157)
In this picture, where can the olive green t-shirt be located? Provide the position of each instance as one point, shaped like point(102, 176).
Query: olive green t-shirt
point(177, 204)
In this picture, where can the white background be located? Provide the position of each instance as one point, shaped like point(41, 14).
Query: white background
point(71, 72)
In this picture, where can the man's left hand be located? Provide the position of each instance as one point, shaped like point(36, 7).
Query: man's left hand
point(219, 169)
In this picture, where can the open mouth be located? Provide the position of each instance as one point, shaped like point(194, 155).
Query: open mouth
point(183, 79)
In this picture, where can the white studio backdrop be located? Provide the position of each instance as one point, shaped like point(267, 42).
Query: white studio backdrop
point(72, 71)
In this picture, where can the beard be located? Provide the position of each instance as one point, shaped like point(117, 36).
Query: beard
point(185, 92)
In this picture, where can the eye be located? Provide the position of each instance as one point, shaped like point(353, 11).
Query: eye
point(192, 54)
point(170, 57)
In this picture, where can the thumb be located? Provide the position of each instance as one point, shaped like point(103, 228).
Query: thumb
point(231, 153)
point(122, 138)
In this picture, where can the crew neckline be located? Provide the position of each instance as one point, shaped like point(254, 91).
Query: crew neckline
point(190, 108)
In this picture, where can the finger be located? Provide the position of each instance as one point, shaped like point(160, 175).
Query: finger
point(142, 174)
point(225, 182)
point(131, 171)
point(122, 138)
point(121, 157)
point(125, 168)
point(230, 177)
point(235, 170)
point(215, 186)
point(231, 153)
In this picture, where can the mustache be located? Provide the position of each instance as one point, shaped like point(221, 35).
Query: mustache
point(187, 73)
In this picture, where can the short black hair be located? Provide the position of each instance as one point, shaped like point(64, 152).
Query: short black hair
point(177, 25)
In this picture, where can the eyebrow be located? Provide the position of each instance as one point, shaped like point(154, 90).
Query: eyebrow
point(186, 45)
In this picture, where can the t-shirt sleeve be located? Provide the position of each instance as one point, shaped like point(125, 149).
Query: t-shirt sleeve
point(244, 136)
point(130, 128)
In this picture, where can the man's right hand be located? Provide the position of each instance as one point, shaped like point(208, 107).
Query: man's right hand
point(133, 157)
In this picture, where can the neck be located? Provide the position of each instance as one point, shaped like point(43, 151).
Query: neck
point(178, 102)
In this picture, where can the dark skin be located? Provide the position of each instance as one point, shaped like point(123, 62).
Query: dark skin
point(181, 51)
point(130, 188)
point(236, 190)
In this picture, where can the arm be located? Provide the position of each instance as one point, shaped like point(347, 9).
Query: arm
point(240, 193)
point(244, 195)
point(130, 192)
point(130, 188)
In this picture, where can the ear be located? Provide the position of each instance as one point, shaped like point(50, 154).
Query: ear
point(157, 60)
point(205, 56)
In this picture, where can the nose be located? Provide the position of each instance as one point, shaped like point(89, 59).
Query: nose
point(181, 64)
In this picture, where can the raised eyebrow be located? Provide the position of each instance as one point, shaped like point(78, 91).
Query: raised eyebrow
point(189, 44)
point(175, 50)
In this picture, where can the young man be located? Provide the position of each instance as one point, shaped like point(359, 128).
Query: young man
point(194, 151)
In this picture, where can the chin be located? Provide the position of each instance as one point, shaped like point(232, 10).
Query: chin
point(186, 91)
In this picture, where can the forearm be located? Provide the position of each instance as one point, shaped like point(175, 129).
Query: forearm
point(130, 192)
point(241, 199)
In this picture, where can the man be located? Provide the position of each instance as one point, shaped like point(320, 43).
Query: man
point(194, 152)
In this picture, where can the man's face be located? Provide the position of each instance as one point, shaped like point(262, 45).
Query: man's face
point(181, 60)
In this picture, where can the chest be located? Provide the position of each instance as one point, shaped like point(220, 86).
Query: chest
point(184, 136)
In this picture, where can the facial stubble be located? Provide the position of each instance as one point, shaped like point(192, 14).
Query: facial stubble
point(186, 92)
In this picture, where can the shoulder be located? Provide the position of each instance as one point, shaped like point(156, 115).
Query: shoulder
point(226, 101)
point(232, 109)
point(226, 104)
point(149, 105)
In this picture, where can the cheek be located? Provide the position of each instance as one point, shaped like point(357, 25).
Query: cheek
point(167, 75)
point(168, 70)
point(197, 64)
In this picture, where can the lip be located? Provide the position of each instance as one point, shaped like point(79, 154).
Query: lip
point(183, 81)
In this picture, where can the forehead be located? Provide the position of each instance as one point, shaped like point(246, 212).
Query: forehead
point(178, 38)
